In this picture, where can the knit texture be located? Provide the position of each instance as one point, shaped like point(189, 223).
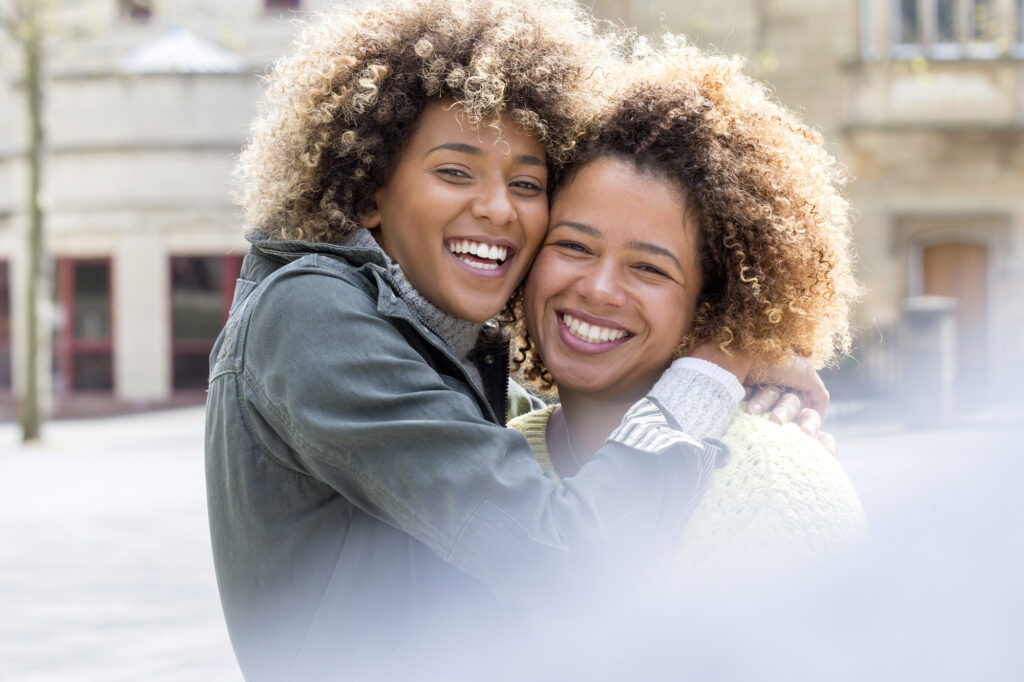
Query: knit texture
point(682, 387)
point(534, 425)
point(781, 498)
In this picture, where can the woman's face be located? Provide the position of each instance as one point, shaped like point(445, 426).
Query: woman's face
point(615, 285)
point(464, 211)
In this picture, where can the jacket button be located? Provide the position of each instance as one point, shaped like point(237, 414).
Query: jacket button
point(488, 359)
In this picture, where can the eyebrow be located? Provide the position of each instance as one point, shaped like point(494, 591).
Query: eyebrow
point(635, 244)
point(527, 159)
point(654, 249)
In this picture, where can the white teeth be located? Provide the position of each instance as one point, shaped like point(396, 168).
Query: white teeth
point(480, 250)
point(480, 266)
point(591, 333)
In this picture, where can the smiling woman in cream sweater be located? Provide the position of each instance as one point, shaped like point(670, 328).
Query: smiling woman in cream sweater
point(698, 210)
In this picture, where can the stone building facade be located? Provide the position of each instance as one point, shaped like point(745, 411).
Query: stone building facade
point(146, 106)
point(923, 102)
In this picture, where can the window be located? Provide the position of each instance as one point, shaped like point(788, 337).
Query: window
point(982, 20)
point(201, 291)
point(281, 4)
point(136, 10)
point(84, 346)
point(907, 23)
point(5, 326)
point(952, 29)
point(1017, 50)
point(945, 21)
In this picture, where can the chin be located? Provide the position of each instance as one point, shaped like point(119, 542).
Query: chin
point(478, 313)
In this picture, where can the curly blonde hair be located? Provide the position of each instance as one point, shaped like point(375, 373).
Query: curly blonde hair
point(774, 232)
point(337, 112)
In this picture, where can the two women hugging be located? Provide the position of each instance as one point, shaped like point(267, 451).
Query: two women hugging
point(680, 235)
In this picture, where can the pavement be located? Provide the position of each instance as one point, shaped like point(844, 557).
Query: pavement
point(106, 571)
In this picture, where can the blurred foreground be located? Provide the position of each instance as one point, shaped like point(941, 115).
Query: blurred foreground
point(106, 573)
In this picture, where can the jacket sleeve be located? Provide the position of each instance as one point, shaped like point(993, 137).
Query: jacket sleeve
point(361, 409)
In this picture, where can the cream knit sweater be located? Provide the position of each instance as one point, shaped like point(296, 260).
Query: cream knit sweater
point(781, 499)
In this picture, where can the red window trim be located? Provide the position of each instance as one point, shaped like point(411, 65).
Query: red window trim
point(67, 346)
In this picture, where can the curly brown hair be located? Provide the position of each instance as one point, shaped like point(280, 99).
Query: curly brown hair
point(337, 112)
point(774, 231)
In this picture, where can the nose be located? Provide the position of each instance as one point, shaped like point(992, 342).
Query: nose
point(601, 284)
point(494, 204)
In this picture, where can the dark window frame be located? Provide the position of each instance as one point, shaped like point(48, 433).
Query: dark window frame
point(67, 346)
point(281, 5)
point(231, 266)
point(6, 330)
point(135, 10)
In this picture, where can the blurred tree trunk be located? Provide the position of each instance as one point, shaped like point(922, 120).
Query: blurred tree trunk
point(29, 412)
point(23, 25)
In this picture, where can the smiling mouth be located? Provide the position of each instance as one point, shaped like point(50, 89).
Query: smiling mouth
point(478, 255)
point(592, 333)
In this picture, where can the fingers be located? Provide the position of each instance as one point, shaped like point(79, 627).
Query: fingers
point(786, 409)
point(797, 374)
point(809, 421)
point(828, 441)
point(763, 399)
point(817, 395)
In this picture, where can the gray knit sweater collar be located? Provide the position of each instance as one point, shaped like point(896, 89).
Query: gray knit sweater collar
point(460, 335)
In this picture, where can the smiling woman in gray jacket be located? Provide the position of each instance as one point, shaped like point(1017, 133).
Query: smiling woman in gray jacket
point(363, 493)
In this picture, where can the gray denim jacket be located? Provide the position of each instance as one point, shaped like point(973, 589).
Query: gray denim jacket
point(361, 490)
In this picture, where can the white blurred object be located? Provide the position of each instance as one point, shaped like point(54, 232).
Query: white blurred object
point(178, 50)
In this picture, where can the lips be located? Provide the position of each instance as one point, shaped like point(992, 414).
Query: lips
point(478, 255)
point(592, 332)
point(589, 335)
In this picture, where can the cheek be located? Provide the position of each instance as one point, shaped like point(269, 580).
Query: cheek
point(535, 226)
point(676, 315)
point(539, 288)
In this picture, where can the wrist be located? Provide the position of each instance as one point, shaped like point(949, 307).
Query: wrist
point(737, 364)
point(722, 376)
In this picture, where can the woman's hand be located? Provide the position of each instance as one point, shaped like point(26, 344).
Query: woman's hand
point(791, 392)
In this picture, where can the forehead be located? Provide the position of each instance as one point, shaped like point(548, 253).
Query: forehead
point(445, 121)
point(624, 204)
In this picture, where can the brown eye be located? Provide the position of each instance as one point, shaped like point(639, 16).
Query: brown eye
point(653, 270)
point(572, 246)
point(452, 173)
point(531, 187)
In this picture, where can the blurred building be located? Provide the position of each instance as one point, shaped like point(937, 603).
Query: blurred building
point(147, 102)
point(923, 101)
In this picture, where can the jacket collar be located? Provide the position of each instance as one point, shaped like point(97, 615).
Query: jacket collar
point(389, 303)
point(287, 251)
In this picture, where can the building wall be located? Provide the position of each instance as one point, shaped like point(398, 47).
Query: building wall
point(932, 137)
point(137, 166)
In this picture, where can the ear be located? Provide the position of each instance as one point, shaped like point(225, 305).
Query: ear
point(371, 217)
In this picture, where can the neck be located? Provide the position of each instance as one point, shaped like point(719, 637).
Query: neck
point(589, 420)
